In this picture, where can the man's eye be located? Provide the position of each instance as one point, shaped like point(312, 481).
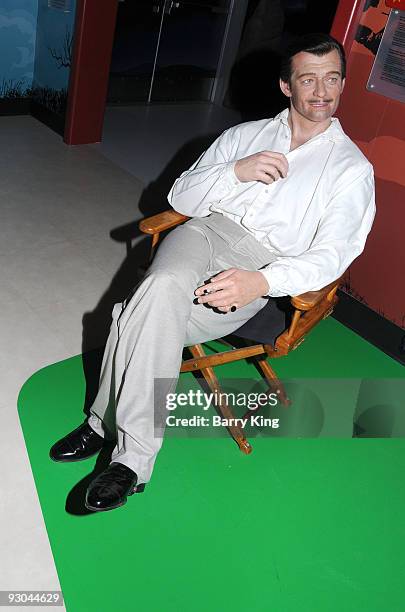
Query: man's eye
point(307, 81)
point(332, 80)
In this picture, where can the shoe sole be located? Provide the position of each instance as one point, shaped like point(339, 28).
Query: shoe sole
point(104, 509)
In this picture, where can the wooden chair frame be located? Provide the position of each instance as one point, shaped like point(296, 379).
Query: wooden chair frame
point(308, 309)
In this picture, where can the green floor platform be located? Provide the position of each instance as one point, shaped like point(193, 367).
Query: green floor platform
point(300, 525)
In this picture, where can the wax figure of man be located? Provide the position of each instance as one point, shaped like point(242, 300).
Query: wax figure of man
point(279, 207)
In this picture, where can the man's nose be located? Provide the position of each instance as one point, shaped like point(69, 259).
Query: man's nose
point(320, 89)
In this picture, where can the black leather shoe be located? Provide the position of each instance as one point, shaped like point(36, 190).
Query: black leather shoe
point(79, 444)
point(111, 488)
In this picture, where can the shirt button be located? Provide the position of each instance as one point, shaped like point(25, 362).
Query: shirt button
point(266, 191)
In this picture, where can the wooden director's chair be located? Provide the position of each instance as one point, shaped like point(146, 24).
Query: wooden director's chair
point(307, 310)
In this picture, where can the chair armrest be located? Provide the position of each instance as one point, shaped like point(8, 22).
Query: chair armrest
point(316, 305)
point(161, 222)
point(308, 300)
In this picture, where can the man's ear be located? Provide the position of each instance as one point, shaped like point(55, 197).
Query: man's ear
point(285, 88)
point(343, 84)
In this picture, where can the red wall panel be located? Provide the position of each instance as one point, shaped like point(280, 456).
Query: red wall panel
point(94, 37)
point(377, 125)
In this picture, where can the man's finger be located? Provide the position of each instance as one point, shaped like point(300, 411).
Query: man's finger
point(275, 166)
point(272, 172)
point(206, 289)
point(265, 178)
point(278, 159)
point(219, 298)
point(211, 286)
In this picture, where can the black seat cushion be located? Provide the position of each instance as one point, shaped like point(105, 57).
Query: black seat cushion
point(268, 323)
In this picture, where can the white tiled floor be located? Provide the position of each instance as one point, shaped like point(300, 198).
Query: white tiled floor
point(58, 207)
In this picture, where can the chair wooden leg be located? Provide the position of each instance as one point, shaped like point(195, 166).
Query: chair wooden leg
point(275, 384)
point(213, 383)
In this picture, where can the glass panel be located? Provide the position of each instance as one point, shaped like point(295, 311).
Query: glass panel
point(189, 50)
point(135, 43)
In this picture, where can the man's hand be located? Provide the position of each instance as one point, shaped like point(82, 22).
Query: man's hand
point(232, 287)
point(266, 167)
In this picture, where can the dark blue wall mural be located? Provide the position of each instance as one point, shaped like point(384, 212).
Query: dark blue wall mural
point(53, 55)
point(36, 40)
point(18, 22)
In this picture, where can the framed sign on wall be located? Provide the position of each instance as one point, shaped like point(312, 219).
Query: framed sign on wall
point(387, 76)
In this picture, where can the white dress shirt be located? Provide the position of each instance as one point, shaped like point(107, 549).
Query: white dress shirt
point(315, 220)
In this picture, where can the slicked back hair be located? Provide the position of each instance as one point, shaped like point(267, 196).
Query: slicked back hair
point(318, 44)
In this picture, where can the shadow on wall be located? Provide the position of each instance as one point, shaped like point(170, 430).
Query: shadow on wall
point(271, 25)
point(254, 85)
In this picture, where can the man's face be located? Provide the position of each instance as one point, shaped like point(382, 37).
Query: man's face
point(316, 84)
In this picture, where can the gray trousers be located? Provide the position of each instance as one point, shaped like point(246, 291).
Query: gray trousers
point(150, 329)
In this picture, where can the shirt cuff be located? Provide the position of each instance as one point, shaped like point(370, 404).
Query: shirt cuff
point(228, 180)
point(232, 174)
point(275, 280)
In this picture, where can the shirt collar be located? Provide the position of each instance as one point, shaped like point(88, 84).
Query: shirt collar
point(334, 132)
